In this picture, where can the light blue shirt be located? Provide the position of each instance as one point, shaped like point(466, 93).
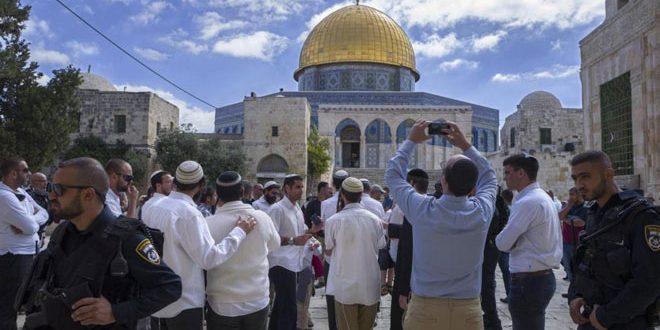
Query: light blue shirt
point(450, 232)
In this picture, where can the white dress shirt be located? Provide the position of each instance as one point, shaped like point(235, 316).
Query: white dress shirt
point(151, 202)
point(240, 286)
point(25, 215)
point(289, 222)
point(354, 235)
point(262, 205)
point(396, 217)
point(533, 234)
point(113, 203)
point(188, 248)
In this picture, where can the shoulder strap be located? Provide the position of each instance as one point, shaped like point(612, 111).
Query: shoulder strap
point(628, 211)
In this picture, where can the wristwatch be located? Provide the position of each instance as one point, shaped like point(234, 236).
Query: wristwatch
point(290, 241)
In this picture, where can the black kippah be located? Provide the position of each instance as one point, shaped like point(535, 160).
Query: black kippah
point(228, 179)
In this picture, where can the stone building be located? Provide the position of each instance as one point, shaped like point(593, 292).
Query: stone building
point(357, 75)
point(620, 73)
point(541, 124)
point(551, 133)
point(135, 117)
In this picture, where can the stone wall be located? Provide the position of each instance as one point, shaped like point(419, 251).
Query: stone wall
point(627, 41)
point(291, 116)
point(554, 171)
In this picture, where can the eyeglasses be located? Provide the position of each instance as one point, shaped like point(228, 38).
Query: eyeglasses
point(126, 177)
point(60, 189)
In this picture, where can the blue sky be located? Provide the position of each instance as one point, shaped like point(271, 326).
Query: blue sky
point(487, 52)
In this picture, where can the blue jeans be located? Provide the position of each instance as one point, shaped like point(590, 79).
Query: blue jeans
point(529, 297)
point(566, 260)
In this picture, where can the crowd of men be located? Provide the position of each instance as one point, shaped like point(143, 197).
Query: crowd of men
point(235, 255)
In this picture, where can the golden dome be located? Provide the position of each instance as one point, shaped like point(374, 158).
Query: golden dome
point(357, 33)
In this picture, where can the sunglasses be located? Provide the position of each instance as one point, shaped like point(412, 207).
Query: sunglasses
point(60, 189)
point(126, 177)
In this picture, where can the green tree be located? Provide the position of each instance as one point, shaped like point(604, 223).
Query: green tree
point(318, 156)
point(35, 121)
point(217, 157)
point(174, 147)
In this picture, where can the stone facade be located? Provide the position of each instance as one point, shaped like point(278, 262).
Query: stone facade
point(541, 113)
point(134, 117)
point(276, 141)
point(626, 44)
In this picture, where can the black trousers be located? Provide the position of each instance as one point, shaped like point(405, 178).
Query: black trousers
point(396, 313)
point(14, 269)
point(189, 319)
point(330, 300)
point(284, 314)
point(488, 304)
point(254, 321)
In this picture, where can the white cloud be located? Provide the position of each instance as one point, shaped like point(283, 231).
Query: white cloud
point(37, 27)
point(487, 42)
point(151, 54)
point(557, 71)
point(556, 45)
point(317, 18)
point(509, 13)
point(179, 39)
point(79, 48)
point(500, 77)
point(150, 12)
point(264, 10)
point(261, 45)
point(458, 63)
point(436, 46)
point(43, 80)
point(46, 56)
point(211, 24)
point(203, 120)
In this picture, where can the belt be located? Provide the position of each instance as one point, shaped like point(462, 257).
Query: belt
point(531, 274)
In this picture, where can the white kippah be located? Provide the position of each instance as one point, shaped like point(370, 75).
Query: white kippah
point(352, 184)
point(341, 174)
point(189, 172)
point(154, 174)
point(271, 184)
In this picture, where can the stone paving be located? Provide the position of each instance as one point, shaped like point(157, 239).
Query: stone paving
point(557, 317)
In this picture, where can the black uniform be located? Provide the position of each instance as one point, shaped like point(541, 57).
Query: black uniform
point(113, 258)
point(617, 265)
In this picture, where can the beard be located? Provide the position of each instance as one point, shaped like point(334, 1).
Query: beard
point(598, 191)
point(72, 211)
point(270, 199)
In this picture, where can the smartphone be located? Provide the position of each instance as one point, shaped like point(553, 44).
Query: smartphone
point(436, 128)
point(316, 219)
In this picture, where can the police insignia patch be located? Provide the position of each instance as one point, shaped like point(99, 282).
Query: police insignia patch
point(147, 252)
point(652, 235)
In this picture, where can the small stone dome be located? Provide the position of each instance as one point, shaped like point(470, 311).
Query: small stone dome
point(540, 100)
point(94, 81)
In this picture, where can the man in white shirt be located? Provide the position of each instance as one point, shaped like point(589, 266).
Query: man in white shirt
point(328, 209)
point(532, 237)
point(369, 203)
point(354, 236)
point(287, 261)
point(20, 218)
point(269, 197)
point(120, 177)
point(161, 182)
point(237, 291)
point(189, 248)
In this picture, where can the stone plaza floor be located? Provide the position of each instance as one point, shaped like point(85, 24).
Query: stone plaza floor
point(557, 317)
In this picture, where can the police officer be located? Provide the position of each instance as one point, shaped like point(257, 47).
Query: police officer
point(98, 270)
point(617, 275)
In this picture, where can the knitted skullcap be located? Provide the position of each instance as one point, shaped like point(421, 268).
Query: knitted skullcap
point(352, 184)
point(271, 184)
point(341, 174)
point(228, 179)
point(189, 172)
